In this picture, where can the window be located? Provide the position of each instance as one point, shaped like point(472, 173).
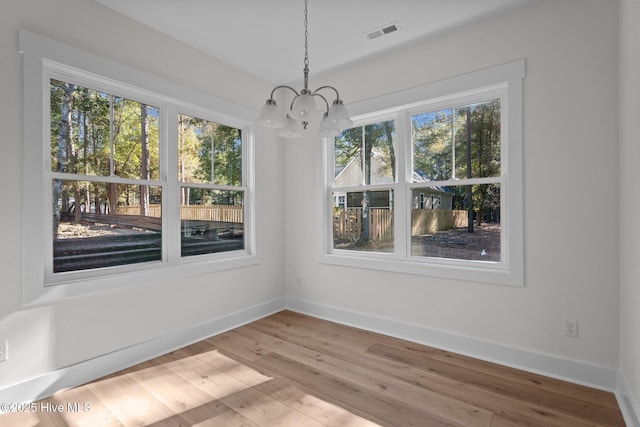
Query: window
point(463, 144)
point(212, 213)
point(127, 181)
point(433, 186)
point(103, 179)
point(364, 167)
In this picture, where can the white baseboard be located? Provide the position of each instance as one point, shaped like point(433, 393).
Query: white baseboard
point(628, 403)
point(80, 373)
point(591, 375)
point(575, 371)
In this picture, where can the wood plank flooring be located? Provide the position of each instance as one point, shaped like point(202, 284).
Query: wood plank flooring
point(294, 370)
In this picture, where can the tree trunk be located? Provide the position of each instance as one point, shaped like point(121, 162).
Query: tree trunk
point(364, 236)
point(113, 198)
point(368, 146)
point(77, 196)
point(469, 175)
point(87, 198)
point(388, 129)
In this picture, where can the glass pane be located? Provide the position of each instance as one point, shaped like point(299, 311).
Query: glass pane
point(212, 221)
point(209, 152)
point(363, 221)
point(477, 139)
point(104, 225)
point(365, 155)
point(348, 158)
point(431, 139)
point(467, 137)
point(94, 133)
point(136, 143)
point(459, 222)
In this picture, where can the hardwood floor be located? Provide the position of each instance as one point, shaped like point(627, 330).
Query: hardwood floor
point(294, 370)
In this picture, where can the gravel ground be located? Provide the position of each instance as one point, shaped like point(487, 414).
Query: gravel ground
point(72, 230)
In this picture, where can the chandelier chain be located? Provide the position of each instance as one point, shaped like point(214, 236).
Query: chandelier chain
point(306, 35)
point(303, 108)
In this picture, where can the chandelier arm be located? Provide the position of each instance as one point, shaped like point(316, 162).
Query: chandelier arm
point(323, 98)
point(283, 87)
point(315, 92)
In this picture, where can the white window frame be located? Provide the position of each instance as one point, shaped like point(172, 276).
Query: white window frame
point(504, 81)
point(44, 59)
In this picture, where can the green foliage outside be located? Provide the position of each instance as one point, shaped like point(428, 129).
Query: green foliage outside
point(209, 153)
point(379, 140)
point(459, 143)
point(98, 134)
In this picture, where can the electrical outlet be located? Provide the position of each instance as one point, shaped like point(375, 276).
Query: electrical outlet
point(571, 328)
point(4, 350)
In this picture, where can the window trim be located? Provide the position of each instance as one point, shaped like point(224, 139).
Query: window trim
point(510, 271)
point(43, 59)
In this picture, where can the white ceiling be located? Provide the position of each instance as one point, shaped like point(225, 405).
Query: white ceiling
point(266, 37)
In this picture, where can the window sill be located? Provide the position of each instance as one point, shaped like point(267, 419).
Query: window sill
point(64, 286)
point(473, 271)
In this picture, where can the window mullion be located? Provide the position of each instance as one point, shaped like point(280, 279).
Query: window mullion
point(111, 137)
point(328, 177)
point(248, 187)
point(402, 199)
point(457, 182)
point(171, 189)
point(104, 179)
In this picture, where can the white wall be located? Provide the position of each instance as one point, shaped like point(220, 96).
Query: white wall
point(570, 190)
point(570, 178)
point(629, 201)
point(47, 337)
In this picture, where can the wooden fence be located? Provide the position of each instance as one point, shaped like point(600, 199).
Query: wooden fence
point(347, 222)
point(219, 213)
point(154, 210)
point(428, 221)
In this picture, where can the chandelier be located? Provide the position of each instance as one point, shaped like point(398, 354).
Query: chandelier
point(303, 110)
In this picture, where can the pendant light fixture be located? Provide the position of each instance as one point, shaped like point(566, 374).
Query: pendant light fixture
point(303, 109)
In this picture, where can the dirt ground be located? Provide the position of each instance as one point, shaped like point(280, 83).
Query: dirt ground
point(72, 230)
point(481, 245)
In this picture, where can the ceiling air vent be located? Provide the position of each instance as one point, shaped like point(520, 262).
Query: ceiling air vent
point(382, 31)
